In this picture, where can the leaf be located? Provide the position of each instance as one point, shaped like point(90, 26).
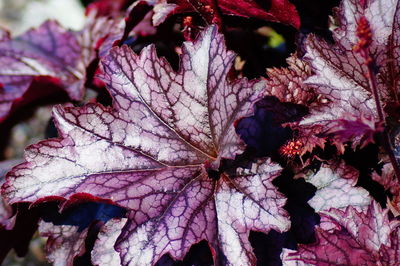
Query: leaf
point(361, 131)
point(161, 9)
point(363, 238)
point(112, 8)
point(371, 228)
point(390, 255)
point(51, 51)
point(288, 85)
point(103, 252)
point(223, 217)
point(7, 219)
point(337, 248)
point(277, 10)
point(16, 229)
point(336, 189)
point(5, 215)
point(64, 243)
point(97, 37)
point(157, 152)
point(48, 50)
point(341, 74)
point(389, 181)
point(24, 225)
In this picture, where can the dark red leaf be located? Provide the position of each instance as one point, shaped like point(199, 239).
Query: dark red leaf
point(276, 10)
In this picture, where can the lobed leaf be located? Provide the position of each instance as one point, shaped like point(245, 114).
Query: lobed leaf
point(336, 189)
point(362, 238)
point(53, 52)
point(288, 85)
point(341, 74)
point(64, 243)
point(153, 153)
point(277, 10)
point(48, 50)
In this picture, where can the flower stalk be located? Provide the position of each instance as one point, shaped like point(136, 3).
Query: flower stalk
point(364, 34)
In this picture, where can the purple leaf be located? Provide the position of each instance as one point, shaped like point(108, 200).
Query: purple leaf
point(15, 230)
point(7, 219)
point(103, 251)
point(152, 151)
point(361, 238)
point(54, 52)
point(223, 213)
point(371, 228)
point(282, 11)
point(48, 50)
point(342, 74)
point(64, 242)
point(24, 225)
point(288, 85)
point(161, 9)
point(390, 255)
point(337, 248)
point(336, 189)
point(390, 182)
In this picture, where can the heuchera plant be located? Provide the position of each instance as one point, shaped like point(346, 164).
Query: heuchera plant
point(183, 157)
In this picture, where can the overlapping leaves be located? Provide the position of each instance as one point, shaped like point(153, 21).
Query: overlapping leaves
point(153, 153)
point(341, 73)
point(53, 53)
point(357, 237)
point(278, 11)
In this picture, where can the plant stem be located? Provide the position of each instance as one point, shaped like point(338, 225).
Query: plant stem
point(210, 12)
point(217, 14)
point(385, 136)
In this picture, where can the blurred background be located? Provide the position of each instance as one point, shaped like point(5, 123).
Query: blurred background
point(20, 15)
point(17, 16)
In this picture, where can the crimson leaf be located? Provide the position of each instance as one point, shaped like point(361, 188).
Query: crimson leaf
point(152, 152)
point(276, 10)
